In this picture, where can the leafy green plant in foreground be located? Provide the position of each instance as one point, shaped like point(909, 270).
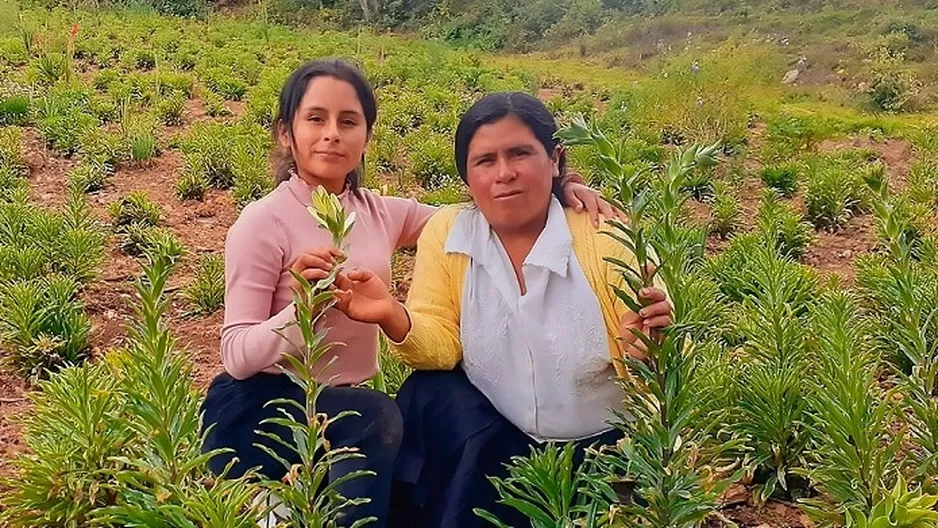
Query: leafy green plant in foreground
point(117, 443)
point(901, 508)
point(72, 436)
point(853, 454)
point(667, 449)
point(309, 496)
point(164, 477)
point(45, 258)
point(667, 452)
point(552, 493)
point(44, 323)
point(771, 403)
point(908, 292)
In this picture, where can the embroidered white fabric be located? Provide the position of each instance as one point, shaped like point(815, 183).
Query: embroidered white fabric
point(541, 358)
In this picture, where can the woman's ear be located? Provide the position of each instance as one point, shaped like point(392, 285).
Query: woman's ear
point(555, 158)
point(283, 135)
point(368, 139)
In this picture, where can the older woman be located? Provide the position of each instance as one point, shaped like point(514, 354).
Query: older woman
point(510, 321)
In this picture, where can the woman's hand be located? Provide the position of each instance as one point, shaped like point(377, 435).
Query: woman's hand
point(650, 320)
point(363, 296)
point(314, 264)
point(578, 196)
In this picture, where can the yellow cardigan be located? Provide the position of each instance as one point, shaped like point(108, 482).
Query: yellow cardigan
point(435, 296)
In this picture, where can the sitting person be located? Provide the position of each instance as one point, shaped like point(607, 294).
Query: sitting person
point(326, 117)
point(511, 322)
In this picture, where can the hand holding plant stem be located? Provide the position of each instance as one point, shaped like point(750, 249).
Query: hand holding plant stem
point(633, 197)
point(327, 210)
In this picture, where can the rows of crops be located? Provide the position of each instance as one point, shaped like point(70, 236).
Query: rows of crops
point(818, 389)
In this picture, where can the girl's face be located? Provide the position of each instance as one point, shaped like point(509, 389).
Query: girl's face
point(510, 174)
point(330, 133)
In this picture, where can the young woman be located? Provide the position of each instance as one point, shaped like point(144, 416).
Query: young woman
point(326, 118)
point(511, 307)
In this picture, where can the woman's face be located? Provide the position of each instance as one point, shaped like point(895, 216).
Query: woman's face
point(330, 133)
point(510, 174)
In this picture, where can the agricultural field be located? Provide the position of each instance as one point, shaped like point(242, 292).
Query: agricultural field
point(804, 269)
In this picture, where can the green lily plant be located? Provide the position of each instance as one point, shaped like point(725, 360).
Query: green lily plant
point(668, 448)
point(668, 458)
point(310, 498)
point(327, 210)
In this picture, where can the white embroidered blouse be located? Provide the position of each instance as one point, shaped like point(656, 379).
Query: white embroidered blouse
point(541, 358)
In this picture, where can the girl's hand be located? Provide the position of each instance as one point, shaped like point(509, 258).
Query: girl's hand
point(314, 264)
point(363, 296)
point(650, 320)
point(578, 196)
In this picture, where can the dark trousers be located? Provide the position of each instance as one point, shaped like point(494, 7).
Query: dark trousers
point(453, 439)
point(236, 408)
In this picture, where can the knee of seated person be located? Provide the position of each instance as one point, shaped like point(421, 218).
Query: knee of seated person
point(389, 424)
point(443, 381)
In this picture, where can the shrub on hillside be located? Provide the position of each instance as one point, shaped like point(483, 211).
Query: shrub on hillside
point(724, 211)
point(782, 178)
point(431, 159)
point(206, 292)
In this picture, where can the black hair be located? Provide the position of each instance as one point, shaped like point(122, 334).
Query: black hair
point(292, 94)
point(494, 107)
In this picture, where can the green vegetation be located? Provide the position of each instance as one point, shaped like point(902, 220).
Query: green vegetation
point(809, 390)
point(135, 209)
point(45, 259)
point(835, 191)
point(206, 293)
point(725, 211)
point(782, 178)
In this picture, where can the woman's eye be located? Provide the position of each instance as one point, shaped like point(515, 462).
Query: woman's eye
point(349, 122)
point(315, 119)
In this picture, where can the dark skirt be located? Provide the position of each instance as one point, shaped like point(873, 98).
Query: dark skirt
point(235, 408)
point(453, 439)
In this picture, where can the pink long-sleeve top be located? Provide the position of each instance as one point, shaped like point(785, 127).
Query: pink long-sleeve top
point(259, 250)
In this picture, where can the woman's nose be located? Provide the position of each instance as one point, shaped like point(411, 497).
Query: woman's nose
point(506, 171)
point(331, 132)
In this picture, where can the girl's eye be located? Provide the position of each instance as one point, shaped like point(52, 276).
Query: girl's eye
point(315, 119)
